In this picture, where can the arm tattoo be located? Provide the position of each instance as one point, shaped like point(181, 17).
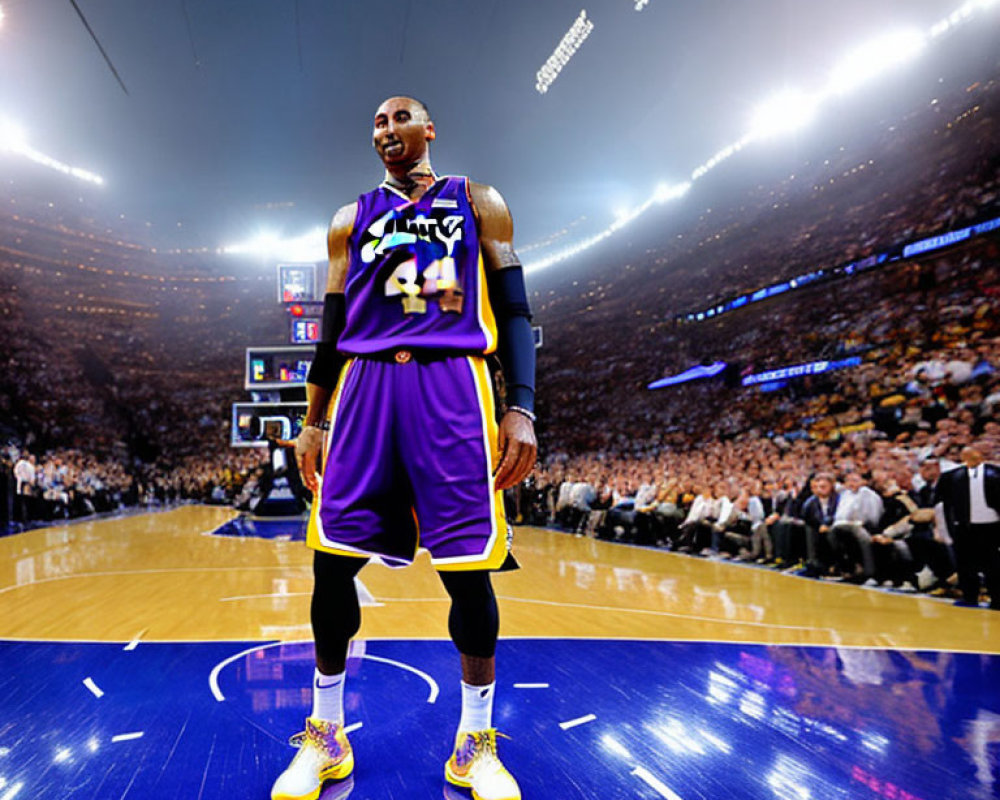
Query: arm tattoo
point(506, 255)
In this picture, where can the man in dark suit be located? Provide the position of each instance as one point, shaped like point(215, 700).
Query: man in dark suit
point(818, 513)
point(970, 497)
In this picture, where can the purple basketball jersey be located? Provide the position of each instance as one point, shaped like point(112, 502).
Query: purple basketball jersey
point(415, 277)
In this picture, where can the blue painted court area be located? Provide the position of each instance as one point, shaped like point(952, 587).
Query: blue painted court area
point(588, 719)
point(286, 529)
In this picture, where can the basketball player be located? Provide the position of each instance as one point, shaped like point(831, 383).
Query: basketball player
point(423, 282)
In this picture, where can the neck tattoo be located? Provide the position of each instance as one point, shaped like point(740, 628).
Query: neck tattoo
point(421, 176)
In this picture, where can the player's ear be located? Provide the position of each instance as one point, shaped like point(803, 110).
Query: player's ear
point(431, 133)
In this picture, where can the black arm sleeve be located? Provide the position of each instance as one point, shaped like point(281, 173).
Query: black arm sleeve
point(325, 368)
point(516, 345)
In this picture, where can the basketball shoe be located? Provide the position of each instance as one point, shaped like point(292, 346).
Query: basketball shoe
point(324, 754)
point(474, 765)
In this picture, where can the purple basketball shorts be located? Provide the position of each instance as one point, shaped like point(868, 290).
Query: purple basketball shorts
point(409, 463)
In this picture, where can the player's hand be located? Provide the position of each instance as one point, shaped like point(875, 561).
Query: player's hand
point(307, 449)
point(518, 448)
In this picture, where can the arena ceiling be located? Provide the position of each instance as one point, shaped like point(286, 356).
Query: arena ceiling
point(248, 114)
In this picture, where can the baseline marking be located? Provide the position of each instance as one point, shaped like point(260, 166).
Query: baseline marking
point(578, 721)
point(353, 727)
point(93, 687)
point(531, 686)
point(127, 737)
point(135, 641)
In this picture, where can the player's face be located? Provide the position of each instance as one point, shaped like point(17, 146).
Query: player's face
point(401, 131)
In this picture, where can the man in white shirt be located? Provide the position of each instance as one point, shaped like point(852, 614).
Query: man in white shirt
point(24, 475)
point(970, 497)
point(859, 510)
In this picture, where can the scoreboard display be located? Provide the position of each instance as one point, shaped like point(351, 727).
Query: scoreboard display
point(305, 330)
point(254, 423)
point(277, 367)
point(296, 283)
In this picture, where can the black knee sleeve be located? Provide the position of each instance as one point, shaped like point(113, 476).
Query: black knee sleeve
point(474, 620)
point(335, 613)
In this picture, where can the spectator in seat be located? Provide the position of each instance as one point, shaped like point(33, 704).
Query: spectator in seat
point(745, 514)
point(697, 525)
point(786, 526)
point(927, 540)
point(894, 563)
point(819, 513)
point(859, 513)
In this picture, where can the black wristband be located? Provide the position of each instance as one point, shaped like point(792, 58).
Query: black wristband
point(325, 368)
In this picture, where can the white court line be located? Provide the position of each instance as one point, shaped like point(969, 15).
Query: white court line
point(626, 610)
point(578, 721)
point(135, 641)
point(170, 571)
point(213, 678)
point(651, 780)
point(353, 727)
point(435, 690)
point(127, 737)
point(365, 598)
point(262, 596)
point(94, 689)
point(531, 686)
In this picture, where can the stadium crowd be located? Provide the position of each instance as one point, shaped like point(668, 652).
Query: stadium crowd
point(64, 484)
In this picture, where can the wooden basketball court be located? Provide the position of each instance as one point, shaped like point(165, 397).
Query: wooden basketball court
point(584, 624)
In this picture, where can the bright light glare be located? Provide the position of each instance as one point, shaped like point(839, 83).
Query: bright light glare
point(13, 139)
point(784, 112)
point(12, 136)
point(309, 247)
point(616, 747)
point(790, 111)
point(665, 191)
point(13, 791)
point(874, 58)
point(1, 15)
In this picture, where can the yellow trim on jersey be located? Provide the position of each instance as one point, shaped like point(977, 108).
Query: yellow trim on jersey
point(314, 531)
point(487, 321)
point(497, 547)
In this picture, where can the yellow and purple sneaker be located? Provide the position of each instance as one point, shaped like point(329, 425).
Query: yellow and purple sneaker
point(474, 765)
point(324, 755)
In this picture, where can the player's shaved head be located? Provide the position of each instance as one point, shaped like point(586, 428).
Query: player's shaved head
point(413, 102)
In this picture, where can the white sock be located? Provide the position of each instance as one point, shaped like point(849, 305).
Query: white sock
point(328, 696)
point(477, 707)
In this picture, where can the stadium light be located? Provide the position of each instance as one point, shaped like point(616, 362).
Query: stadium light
point(874, 58)
point(1, 16)
point(12, 136)
point(13, 139)
point(309, 247)
point(664, 191)
point(792, 110)
point(784, 112)
point(570, 43)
